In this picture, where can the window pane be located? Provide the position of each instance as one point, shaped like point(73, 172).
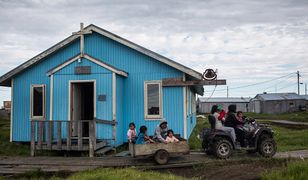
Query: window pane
point(153, 99)
point(38, 101)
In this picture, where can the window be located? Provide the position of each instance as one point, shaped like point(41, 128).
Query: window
point(37, 101)
point(153, 100)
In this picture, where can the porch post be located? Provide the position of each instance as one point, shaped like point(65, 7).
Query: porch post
point(91, 138)
point(32, 138)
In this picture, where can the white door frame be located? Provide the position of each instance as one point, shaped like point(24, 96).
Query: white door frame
point(69, 95)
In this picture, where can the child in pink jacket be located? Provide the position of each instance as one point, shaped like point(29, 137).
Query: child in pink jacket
point(170, 137)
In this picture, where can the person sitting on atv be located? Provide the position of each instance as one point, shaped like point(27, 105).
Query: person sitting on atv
point(218, 123)
point(222, 114)
point(232, 121)
point(240, 116)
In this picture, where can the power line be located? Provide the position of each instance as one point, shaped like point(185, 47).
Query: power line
point(249, 85)
point(287, 86)
point(282, 81)
point(212, 93)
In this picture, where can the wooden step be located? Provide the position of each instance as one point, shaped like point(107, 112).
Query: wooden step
point(104, 150)
point(100, 145)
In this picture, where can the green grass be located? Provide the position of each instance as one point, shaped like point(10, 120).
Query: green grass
point(290, 139)
point(294, 171)
point(296, 116)
point(7, 148)
point(287, 139)
point(127, 173)
point(194, 142)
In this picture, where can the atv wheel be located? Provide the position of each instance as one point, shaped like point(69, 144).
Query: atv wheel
point(161, 157)
point(223, 148)
point(267, 148)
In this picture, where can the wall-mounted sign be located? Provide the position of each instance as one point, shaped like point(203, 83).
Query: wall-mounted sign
point(83, 70)
point(102, 97)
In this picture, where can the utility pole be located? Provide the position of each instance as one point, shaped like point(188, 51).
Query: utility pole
point(227, 91)
point(298, 91)
point(306, 89)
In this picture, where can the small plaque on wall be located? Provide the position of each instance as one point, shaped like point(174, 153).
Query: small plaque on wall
point(102, 97)
point(83, 70)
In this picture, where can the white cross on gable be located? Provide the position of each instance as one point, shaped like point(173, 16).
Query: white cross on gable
point(81, 33)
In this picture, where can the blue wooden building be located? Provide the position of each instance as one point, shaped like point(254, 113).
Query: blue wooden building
point(92, 85)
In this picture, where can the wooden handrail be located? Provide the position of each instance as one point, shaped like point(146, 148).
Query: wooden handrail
point(47, 134)
point(101, 121)
point(113, 122)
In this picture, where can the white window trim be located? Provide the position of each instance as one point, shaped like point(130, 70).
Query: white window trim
point(44, 102)
point(153, 117)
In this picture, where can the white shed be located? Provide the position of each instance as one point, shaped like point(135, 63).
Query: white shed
point(205, 104)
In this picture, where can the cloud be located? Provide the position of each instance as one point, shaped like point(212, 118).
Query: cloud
point(247, 41)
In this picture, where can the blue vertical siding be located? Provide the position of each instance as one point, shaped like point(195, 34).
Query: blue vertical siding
point(35, 75)
point(120, 127)
point(103, 78)
point(173, 108)
point(129, 91)
point(191, 115)
point(140, 68)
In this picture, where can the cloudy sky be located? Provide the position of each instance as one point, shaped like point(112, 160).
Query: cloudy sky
point(249, 42)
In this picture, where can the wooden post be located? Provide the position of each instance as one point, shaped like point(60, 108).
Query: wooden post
point(69, 135)
point(92, 138)
point(50, 128)
point(59, 135)
point(79, 135)
point(32, 138)
point(44, 132)
point(40, 134)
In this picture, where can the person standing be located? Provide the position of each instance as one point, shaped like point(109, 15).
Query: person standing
point(131, 133)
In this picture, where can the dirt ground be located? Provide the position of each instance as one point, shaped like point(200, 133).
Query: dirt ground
point(228, 170)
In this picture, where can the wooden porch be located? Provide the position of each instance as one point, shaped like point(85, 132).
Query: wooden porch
point(61, 135)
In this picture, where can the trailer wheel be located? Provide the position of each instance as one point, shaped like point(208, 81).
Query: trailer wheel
point(161, 157)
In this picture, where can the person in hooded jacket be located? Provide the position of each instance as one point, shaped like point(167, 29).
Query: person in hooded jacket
point(160, 132)
point(232, 121)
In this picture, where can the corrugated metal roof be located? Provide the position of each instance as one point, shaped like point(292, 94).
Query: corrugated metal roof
point(225, 99)
point(305, 96)
point(278, 96)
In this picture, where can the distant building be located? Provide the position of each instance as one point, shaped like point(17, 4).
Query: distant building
point(7, 105)
point(306, 98)
point(272, 103)
point(5, 111)
point(205, 104)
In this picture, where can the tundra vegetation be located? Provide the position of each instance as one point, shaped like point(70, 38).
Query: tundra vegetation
point(288, 138)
